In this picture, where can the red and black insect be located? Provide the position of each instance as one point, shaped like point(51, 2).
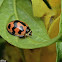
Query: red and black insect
point(19, 28)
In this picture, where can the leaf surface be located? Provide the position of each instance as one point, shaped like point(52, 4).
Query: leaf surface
point(22, 10)
point(59, 50)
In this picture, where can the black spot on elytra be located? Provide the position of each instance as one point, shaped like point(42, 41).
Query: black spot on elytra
point(23, 23)
point(16, 21)
point(28, 28)
point(9, 26)
point(13, 31)
point(19, 32)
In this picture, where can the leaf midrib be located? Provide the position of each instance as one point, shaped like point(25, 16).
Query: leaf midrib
point(1, 4)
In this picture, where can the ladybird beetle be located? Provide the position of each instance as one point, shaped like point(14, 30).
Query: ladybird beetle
point(19, 28)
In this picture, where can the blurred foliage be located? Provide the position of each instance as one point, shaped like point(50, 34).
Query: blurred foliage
point(51, 17)
point(1, 40)
point(12, 53)
point(2, 47)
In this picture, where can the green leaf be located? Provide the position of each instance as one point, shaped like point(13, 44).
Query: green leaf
point(61, 20)
point(2, 47)
point(1, 1)
point(22, 10)
point(59, 43)
point(59, 51)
